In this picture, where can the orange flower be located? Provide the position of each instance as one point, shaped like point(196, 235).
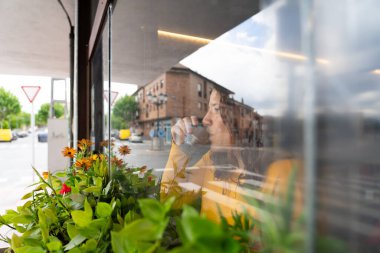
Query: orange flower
point(84, 163)
point(116, 161)
point(95, 157)
point(143, 169)
point(45, 175)
point(105, 143)
point(142, 172)
point(84, 144)
point(68, 152)
point(124, 150)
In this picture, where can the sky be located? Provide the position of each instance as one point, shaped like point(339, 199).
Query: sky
point(259, 60)
point(14, 85)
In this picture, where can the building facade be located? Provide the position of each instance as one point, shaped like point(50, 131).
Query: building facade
point(188, 94)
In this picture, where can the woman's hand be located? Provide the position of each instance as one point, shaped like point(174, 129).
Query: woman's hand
point(182, 128)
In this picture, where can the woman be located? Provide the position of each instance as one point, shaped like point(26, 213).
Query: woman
point(215, 177)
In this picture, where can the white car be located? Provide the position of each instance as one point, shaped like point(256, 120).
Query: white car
point(135, 138)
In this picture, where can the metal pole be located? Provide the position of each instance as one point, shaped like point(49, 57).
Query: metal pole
point(71, 36)
point(51, 109)
point(109, 86)
point(158, 116)
point(33, 134)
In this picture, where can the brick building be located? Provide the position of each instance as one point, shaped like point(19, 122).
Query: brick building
point(188, 95)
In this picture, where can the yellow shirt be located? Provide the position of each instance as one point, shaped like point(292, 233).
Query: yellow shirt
point(183, 181)
point(222, 196)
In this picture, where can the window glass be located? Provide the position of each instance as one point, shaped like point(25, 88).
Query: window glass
point(291, 114)
point(199, 88)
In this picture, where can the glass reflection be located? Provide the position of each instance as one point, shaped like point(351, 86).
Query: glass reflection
point(235, 122)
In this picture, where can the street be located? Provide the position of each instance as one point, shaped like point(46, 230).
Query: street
point(16, 172)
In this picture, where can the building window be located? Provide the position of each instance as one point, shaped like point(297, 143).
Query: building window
point(199, 90)
point(205, 106)
point(199, 105)
point(162, 84)
point(204, 89)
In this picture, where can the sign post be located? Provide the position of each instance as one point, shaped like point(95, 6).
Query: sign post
point(110, 97)
point(31, 93)
point(113, 96)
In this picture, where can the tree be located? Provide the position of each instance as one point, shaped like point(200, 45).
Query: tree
point(43, 113)
point(124, 112)
point(9, 105)
point(20, 120)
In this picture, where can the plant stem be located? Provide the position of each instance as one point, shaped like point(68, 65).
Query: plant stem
point(53, 191)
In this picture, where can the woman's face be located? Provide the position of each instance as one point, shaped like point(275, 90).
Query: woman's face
point(219, 133)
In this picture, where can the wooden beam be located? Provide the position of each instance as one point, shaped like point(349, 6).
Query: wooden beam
point(97, 27)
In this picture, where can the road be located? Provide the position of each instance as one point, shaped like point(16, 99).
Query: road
point(16, 172)
point(16, 168)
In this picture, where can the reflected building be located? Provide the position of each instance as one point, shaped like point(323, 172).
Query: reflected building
point(188, 95)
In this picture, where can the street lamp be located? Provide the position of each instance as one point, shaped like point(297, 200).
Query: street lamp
point(157, 100)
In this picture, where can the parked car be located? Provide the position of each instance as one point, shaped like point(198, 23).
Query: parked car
point(5, 135)
point(21, 133)
point(115, 133)
point(14, 135)
point(42, 136)
point(135, 138)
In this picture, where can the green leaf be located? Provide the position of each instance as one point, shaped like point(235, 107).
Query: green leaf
point(127, 241)
point(107, 188)
point(54, 245)
point(60, 174)
point(2, 220)
point(16, 241)
point(77, 240)
point(168, 204)
point(130, 216)
point(78, 198)
point(20, 229)
point(145, 230)
point(90, 246)
point(32, 242)
point(29, 249)
point(27, 204)
point(50, 215)
point(93, 189)
point(152, 209)
point(194, 228)
point(72, 230)
point(21, 219)
point(189, 212)
point(74, 250)
point(99, 182)
point(28, 195)
point(118, 242)
point(103, 210)
point(82, 218)
point(89, 232)
point(40, 187)
point(42, 221)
